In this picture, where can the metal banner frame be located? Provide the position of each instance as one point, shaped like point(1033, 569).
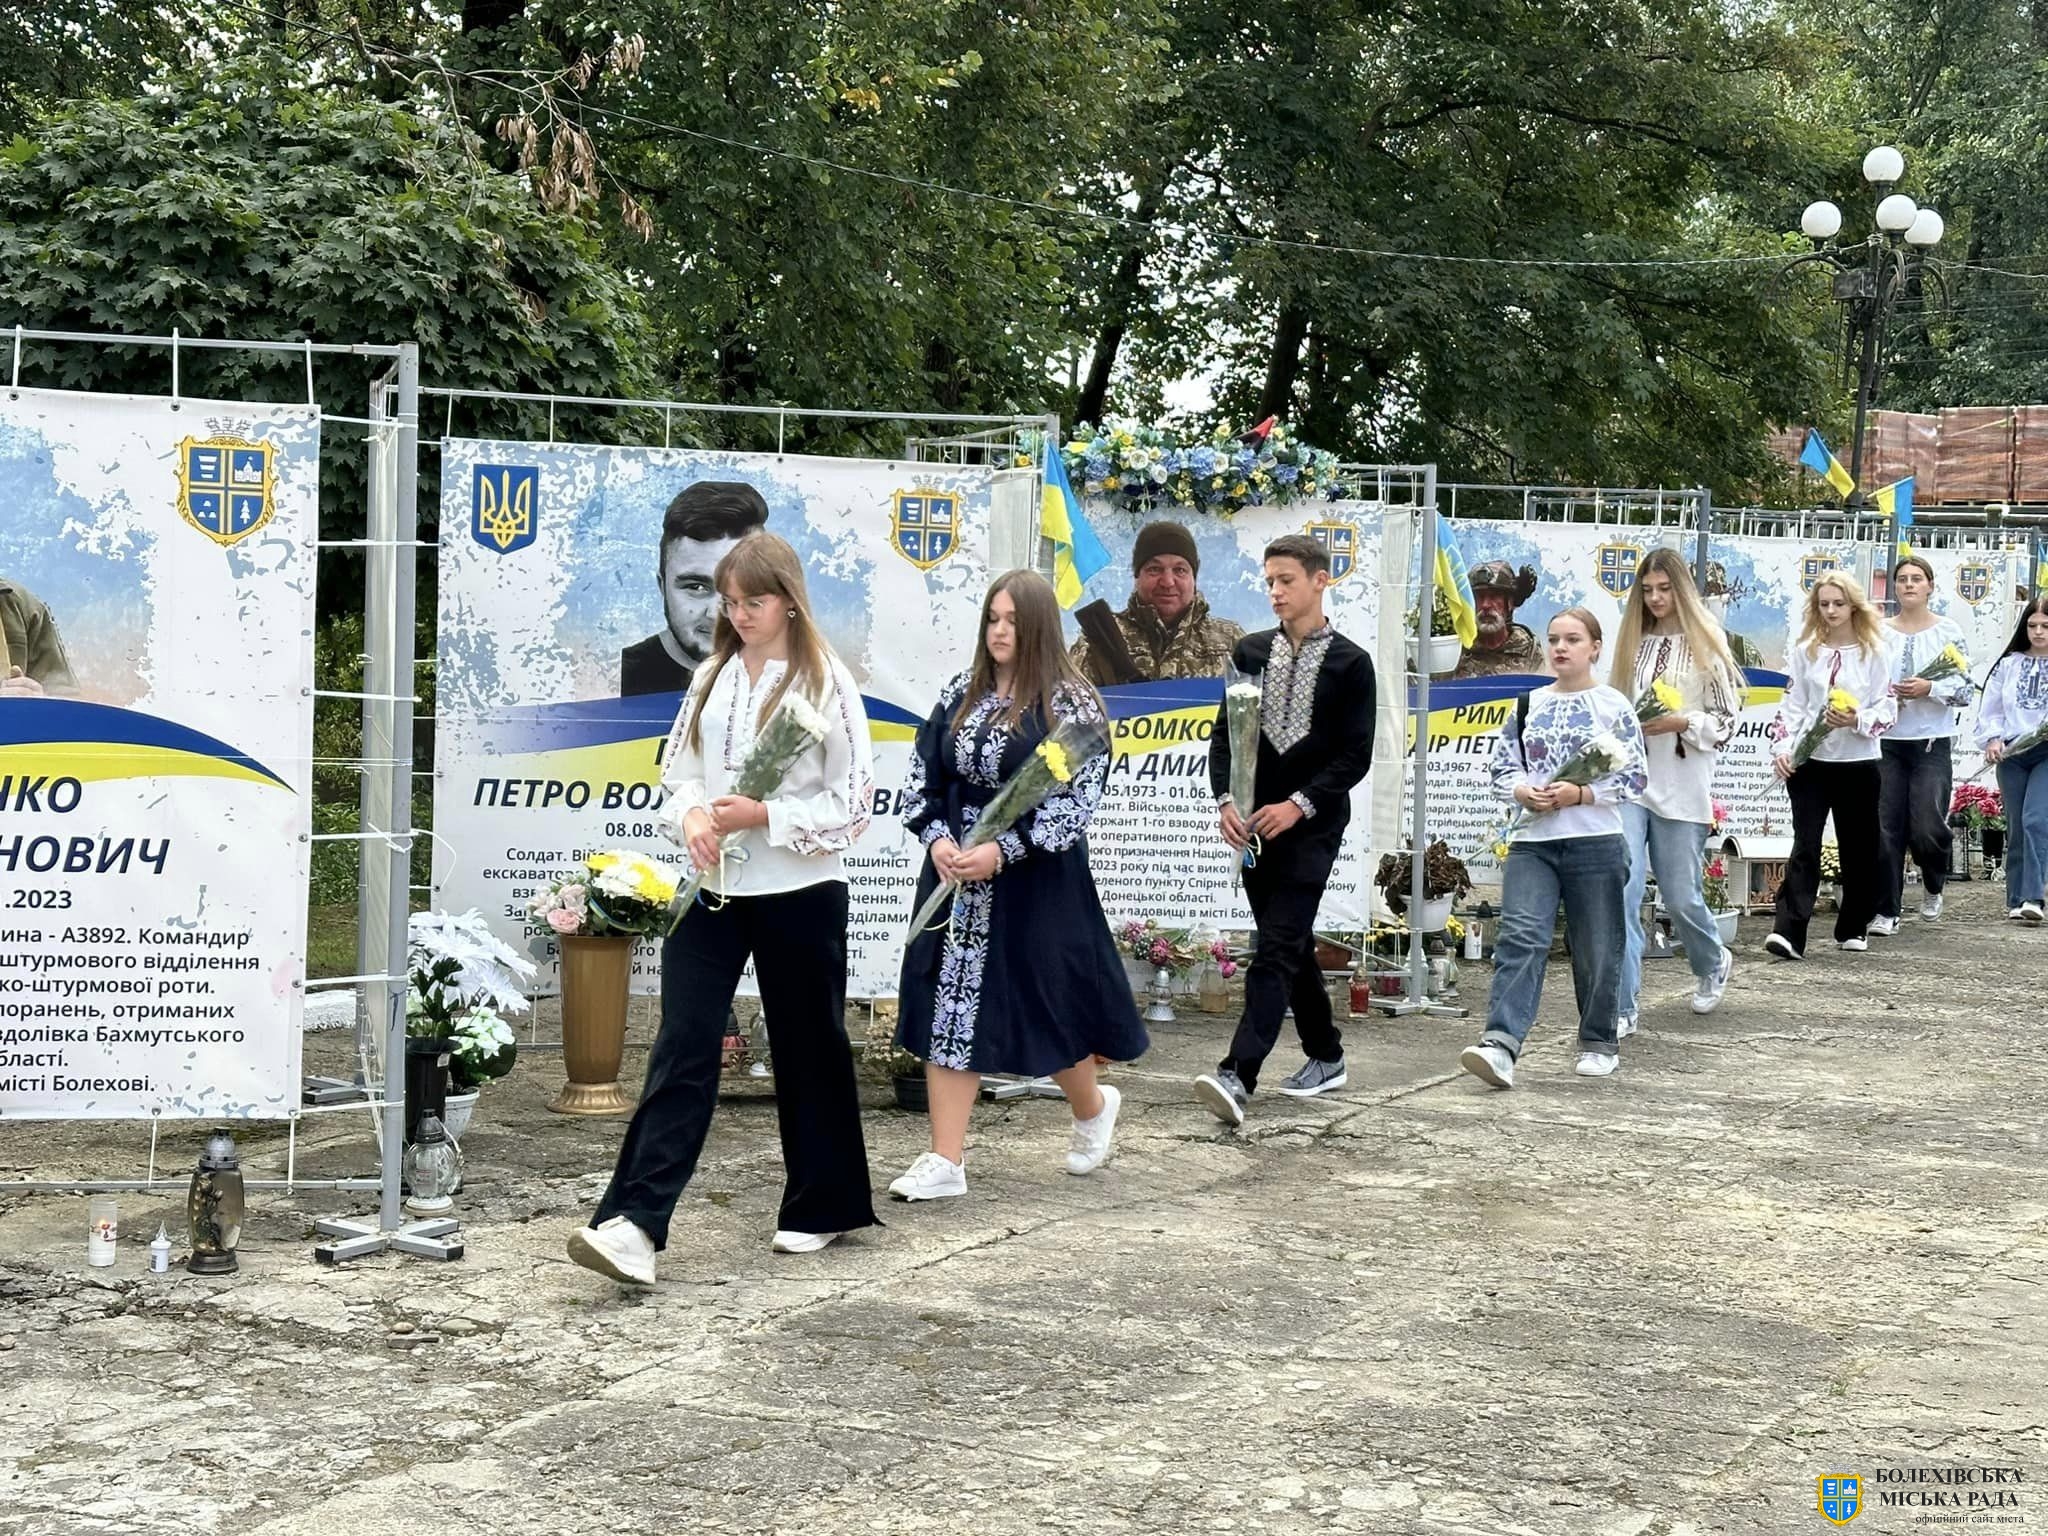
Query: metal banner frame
point(387, 726)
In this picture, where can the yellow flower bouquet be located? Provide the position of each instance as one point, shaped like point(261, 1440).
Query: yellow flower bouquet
point(1053, 763)
point(1838, 698)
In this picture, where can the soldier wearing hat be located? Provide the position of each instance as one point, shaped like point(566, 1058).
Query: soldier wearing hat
point(1165, 629)
point(1503, 646)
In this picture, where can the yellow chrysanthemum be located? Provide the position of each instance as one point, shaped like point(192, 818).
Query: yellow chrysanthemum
point(1666, 695)
point(1955, 658)
point(1056, 762)
point(1500, 850)
point(600, 862)
point(1842, 699)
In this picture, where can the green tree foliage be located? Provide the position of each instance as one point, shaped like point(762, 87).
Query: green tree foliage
point(239, 202)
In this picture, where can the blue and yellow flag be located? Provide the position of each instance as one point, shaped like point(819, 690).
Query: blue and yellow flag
point(1076, 553)
point(1819, 458)
point(1896, 501)
point(1455, 582)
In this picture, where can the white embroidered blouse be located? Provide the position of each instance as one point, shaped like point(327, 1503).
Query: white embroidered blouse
point(1681, 764)
point(2015, 698)
point(1865, 676)
point(1934, 716)
point(820, 811)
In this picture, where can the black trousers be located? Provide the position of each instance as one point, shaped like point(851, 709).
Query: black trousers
point(1850, 791)
point(798, 942)
point(1284, 888)
point(1912, 815)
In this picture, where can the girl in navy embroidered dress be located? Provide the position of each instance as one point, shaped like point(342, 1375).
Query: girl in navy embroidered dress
point(1025, 979)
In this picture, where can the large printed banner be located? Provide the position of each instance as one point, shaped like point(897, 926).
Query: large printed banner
point(1153, 847)
point(576, 602)
point(1525, 573)
point(156, 584)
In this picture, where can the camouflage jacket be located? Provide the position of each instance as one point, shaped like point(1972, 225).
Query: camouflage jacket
point(1520, 654)
point(1198, 646)
point(32, 643)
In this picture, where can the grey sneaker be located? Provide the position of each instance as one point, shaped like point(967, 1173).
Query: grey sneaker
point(1222, 1094)
point(1883, 927)
point(1490, 1064)
point(1930, 907)
point(1625, 1026)
point(1315, 1077)
point(1707, 996)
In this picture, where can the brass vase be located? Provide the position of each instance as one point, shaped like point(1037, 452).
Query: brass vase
point(596, 977)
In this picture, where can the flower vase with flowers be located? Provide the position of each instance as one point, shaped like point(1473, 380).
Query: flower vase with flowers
point(462, 979)
point(597, 915)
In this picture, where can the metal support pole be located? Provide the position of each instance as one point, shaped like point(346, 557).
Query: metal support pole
point(440, 1238)
point(1703, 518)
point(1417, 998)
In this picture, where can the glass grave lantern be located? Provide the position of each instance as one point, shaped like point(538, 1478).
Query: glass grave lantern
point(213, 1208)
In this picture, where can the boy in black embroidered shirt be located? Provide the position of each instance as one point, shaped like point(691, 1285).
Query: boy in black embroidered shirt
point(1316, 714)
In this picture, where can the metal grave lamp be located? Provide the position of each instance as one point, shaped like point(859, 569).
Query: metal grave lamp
point(213, 1208)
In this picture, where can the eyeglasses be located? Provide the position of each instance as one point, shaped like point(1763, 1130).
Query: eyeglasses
point(753, 607)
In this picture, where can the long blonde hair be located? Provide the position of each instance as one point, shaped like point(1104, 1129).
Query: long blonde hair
point(1704, 638)
point(763, 565)
point(1863, 620)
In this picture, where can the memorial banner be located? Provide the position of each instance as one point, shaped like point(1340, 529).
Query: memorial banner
point(1154, 847)
point(575, 604)
point(157, 565)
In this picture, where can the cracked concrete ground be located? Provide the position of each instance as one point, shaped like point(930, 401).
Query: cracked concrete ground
point(1808, 1234)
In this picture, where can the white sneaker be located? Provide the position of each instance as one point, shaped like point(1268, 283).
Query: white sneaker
point(2030, 912)
point(1856, 946)
point(1707, 996)
point(2017, 914)
point(1930, 908)
point(1490, 1064)
point(804, 1242)
point(1088, 1144)
point(1625, 1026)
point(931, 1177)
point(616, 1248)
point(1883, 927)
point(1596, 1064)
point(1777, 944)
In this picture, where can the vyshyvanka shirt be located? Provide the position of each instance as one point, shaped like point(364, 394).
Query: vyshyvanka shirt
point(1559, 726)
point(2015, 698)
point(1681, 764)
point(1866, 676)
point(823, 805)
point(1934, 716)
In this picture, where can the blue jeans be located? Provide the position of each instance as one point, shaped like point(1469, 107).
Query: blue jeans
point(2025, 788)
point(1674, 849)
point(1586, 876)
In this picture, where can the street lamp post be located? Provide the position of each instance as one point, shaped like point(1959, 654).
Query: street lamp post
point(1871, 278)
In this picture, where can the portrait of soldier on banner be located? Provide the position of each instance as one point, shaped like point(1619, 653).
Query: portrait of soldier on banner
point(32, 660)
point(701, 524)
point(1502, 646)
point(1165, 630)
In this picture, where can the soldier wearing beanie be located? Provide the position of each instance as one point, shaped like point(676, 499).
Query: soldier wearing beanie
point(1166, 628)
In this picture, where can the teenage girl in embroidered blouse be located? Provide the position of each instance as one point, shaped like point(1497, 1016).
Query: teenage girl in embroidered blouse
point(783, 905)
point(1917, 765)
point(1025, 979)
point(1841, 647)
point(1667, 635)
point(2016, 702)
point(1567, 850)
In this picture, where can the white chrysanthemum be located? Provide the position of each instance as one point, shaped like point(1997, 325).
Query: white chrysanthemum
point(805, 715)
point(1242, 691)
point(489, 966)
point(619, 880)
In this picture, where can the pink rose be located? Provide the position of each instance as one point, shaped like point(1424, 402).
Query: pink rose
point(563, 921)
point(1228, 968)
point(1160, 952)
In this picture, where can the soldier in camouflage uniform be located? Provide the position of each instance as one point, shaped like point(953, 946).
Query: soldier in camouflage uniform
point(1503, 645)
point(1166, 625)
point(33, 662)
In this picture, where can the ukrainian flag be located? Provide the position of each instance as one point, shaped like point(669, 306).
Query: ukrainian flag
point(1896, 501)
point(1076, 553)
point(1454, 580)
point(1817, 457)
